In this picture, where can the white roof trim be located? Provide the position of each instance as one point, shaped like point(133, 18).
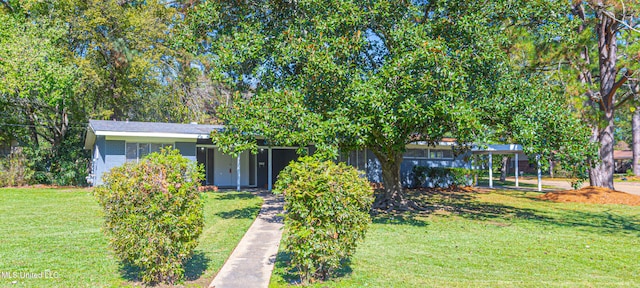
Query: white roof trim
point(151, 134)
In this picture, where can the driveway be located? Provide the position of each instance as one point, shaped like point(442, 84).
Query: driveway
point(629, 187)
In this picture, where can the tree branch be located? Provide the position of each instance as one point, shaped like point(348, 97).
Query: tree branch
point(613, 17)
point(7, 5)
point(625, 99)
point(609, 97)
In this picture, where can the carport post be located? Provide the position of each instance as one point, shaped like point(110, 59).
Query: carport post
point(269, 168)
point(539, 174)
point(516, 159)
point(490, 170)
point(238, 172)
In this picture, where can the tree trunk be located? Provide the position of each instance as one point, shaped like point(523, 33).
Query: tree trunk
point(635, 128)
point(606, 28)
point(602, 173)
point(392, 196)
point(32, 128)
point(503, 170)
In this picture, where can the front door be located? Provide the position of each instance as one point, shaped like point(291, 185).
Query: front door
point(224, 169)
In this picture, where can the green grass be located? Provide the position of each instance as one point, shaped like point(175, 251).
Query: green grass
point(618, 178)
point(497, 183)
point(58, 231)
point(499, 239)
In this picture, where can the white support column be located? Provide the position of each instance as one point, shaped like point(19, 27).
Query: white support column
point(269, 168)
point(490, 170)
point(238, 172)
point(516, 159)
point(539, 174)
point(474, 180)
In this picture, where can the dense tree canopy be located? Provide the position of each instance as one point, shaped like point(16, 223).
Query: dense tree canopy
point(63, 62)
point(379, 75)
point(340, 74)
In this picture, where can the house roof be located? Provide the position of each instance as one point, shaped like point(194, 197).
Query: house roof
point(622, 154)
point(146, 129)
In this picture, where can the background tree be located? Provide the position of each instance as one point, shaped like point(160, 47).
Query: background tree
point(595, 63)
point(64, 62)
point(37, 96)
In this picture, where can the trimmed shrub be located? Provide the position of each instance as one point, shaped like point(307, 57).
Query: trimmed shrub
point(442, 177)
point(327, 212)
point(154, 214)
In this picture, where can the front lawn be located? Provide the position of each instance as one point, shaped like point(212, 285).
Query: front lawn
point(498, 239)
point(52, 237)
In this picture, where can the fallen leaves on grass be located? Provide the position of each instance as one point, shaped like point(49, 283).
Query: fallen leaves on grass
point(208, 188)
point(592, 194)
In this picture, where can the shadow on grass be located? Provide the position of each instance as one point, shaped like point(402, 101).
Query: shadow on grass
point(290, 275)
point(399, 219)
point(509, 183)
point(243, 213)
point(194, 267)
point(467, 205)
point(233, 195)
point(284, 270)
point(130, 272)
point(603, 222)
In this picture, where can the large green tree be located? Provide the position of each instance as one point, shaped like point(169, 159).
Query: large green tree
point(37, 99)
point(376, 75)
point(37, 82)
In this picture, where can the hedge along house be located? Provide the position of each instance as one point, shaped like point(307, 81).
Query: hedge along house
point(113, 143)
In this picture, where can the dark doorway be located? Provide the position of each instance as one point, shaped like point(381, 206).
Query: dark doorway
point(201, 156)
point(263, 167)
point(281, 158)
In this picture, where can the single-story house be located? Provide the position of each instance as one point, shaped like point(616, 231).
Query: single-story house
point(112, 143)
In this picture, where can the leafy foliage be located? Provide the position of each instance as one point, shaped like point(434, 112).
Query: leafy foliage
point(349, 75)
point(594, 61)
point(64, 62)
point(327, 207)
point(154, 213)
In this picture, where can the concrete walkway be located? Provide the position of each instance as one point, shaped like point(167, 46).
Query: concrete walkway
point(252, 261)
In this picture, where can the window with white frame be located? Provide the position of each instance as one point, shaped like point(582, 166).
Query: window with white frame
point(440, 154)
point(416, 153)
point(357, 159)
point(136, 151)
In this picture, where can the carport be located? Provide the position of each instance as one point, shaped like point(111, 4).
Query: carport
point(502, 149)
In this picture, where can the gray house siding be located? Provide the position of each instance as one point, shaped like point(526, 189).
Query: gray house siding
point(107, 154)
point(373, 169)
point(98, 161)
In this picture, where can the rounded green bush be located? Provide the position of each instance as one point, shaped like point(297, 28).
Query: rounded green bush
point(153, 214)
point(327, 212)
